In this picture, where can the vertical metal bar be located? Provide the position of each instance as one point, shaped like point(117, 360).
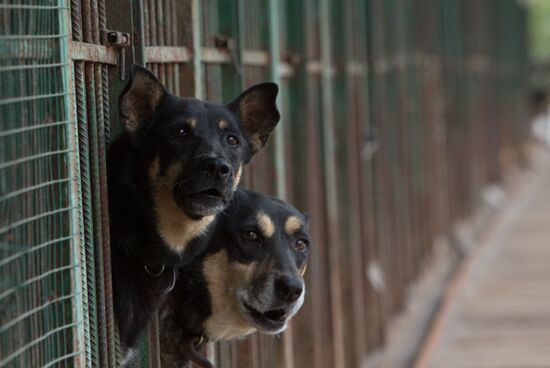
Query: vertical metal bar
point(87, 239)
point(75, 18)
point(274, 20)
point(330, 180)
point(92, 119)
point(196, 20)
point(138, 32)
point(353, 191)
point(81, 339)
point(275, 71)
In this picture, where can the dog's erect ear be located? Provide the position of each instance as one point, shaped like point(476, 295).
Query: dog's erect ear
point(140, 98)
point(257, 111)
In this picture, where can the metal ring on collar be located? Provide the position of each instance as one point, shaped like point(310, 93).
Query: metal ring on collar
point(154, 274)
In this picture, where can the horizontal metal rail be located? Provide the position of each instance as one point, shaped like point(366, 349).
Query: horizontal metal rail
point(12, 68)
point(32, 280)
point(9, 101)
point(34, 218)
point(62, 358)
point(31, 7)
point(21, 350)
point(32, 158)
point(30, 312)
point(11, 132)
point(29, 250)
point(34, 187)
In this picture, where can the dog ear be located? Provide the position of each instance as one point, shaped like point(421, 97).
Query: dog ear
point(257, 110)
point(140, 98)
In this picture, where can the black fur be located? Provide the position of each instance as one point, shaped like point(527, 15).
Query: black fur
point(185, 311)
point(159, 132)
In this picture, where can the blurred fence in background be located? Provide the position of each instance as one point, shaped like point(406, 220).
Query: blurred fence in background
point(395, 116)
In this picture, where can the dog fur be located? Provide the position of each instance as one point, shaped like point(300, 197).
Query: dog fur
point(175, 166)
point(233, 289)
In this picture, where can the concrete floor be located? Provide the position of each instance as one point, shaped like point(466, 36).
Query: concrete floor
point(497, 311)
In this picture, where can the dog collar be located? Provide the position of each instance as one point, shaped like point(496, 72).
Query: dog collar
point(150, 271)
point(156, 274)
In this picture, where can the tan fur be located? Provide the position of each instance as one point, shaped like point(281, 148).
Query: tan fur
point(154, 170)
point(292, 224)
point(223, 124)
point(303, 270)
point(265, 223)
point(237, 178)
point(192, 122)
point(175, 228)
point(224, 279)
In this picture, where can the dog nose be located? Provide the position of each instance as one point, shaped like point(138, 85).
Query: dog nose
point(217, 168)
point(288, 288)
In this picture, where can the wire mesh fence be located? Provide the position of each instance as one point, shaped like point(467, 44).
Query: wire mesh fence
point(396, 116)
point(37, 264)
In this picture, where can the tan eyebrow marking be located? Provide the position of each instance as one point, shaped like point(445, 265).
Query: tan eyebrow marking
point(192, 122)
point(223, 124)
point(292, 224)
point(265, 224)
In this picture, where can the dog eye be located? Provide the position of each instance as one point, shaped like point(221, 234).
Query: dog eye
point(301, 245)
point(183, 132)
point(232, 140)
point(250, 235)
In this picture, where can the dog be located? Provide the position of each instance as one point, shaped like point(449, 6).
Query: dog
point(175, 166)
point(250, 278)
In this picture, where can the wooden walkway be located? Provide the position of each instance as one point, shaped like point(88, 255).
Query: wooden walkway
point(497, 314)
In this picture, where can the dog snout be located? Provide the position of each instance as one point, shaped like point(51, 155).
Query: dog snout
point(288, 289)
point(217, 168)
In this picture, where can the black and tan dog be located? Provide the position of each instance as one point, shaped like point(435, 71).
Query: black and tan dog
point(175, 166)
point(249, 279)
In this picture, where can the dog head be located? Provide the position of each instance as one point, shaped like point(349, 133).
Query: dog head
point(253, 269)
point(249, 279)
point(192, 150)
point(256, 280)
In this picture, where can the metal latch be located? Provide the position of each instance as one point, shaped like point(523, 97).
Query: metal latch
point(119, 40)
point(229, 44)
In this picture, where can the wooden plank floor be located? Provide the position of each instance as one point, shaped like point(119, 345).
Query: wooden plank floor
point(500, 314)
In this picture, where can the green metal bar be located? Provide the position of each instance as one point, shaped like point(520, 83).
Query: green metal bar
point(329, 149)
point(11, 132)
point(32, 188)
point(33, 37)
point(62, 358)
point(32, 7)
point(11, 68)
point(86, 221)
point(35, 248)
point(32, 280)
point(8, 101)
point(7, 325)
point(32, 158)
point(138, 41)
point(275, 71)
point(18, 352)
point(196, 20)
point(34, 218)
point(230, 21)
